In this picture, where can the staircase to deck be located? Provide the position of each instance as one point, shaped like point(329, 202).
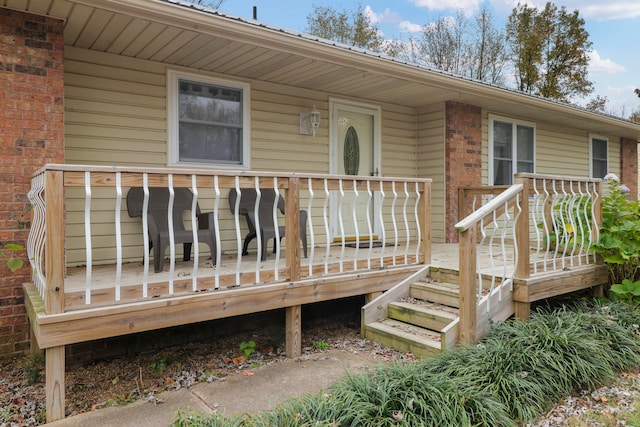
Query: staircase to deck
point(421, 314)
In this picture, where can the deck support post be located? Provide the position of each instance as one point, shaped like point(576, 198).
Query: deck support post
point(467, 333)
point(54, 297)
point(293, 333)
point(292, 225)
point(371, 296)
point(54, 369)
point(523, 269)
point(522, 310)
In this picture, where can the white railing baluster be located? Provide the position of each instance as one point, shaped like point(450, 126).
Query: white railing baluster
point(393, 220)
point(492, 257)
point(516, 255)
point(259, 237)
point(35, 241)
point(594, 230)
point(341, 224)
point(503, 246)
point(554, 220)
point(236, 217)
point(383, 227)
point(483, 234)
point(406, 223)
point(194, 231)
point(369, 227)
point(310, 226)
point(355, 223)
point(172, 249)
point(216, 226)
point(327, 229)
point(274, 212)
point(534, 219)
point(573, 223)
point(118, 234)
point(416, 211)
point(580, 202)
point(145, 234)
point(87, 236)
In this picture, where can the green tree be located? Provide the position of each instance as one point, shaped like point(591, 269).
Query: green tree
point(354, 29)
point(598, 104)
point(549, 48)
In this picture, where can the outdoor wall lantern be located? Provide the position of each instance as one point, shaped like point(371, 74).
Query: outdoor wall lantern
point(310, 121)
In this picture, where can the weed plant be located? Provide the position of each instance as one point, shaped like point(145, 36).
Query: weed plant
point(515, 374)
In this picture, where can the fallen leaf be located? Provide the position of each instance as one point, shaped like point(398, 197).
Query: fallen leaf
point(247, 373)
point(238, 360)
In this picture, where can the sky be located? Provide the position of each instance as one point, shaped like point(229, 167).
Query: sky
point(613, 26)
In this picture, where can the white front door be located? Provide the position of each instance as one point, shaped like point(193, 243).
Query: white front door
point(355, 147)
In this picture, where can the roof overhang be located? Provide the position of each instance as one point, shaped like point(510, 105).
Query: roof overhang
point(181, 34)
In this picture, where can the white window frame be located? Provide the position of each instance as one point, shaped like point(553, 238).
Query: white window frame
point(601, 138)
point(173, 87)
point(514, 159)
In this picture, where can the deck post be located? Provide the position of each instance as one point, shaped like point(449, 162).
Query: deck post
point(523, 269)
point(54, 301)
point(468, 286)
point(424, 215)
point(293, 333)
point(292, 226)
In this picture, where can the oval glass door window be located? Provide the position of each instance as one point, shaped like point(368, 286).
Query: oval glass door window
point(351, 152)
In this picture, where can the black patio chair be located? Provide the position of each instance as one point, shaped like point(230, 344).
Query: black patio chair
point(158, 221)
point(248, 198)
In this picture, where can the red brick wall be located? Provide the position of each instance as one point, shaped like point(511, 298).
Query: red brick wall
point(629, 165)
point(31, 134)
point(463, 157)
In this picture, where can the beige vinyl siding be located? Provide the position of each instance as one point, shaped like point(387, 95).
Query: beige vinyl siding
point(276, 142)
point(431, 164)
point(558, 150)
point(399, 143)
point(115, 114)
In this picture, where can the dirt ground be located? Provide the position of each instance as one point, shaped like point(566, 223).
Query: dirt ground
point(124, 380)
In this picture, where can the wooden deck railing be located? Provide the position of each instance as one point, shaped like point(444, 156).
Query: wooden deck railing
point(539, 225)
point(81, 224)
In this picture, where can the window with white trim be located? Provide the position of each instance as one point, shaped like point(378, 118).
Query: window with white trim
point(599, 151)
point(208, 121)
point(511, 150)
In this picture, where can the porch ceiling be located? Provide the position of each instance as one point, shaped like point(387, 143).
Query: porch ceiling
point(180, 35)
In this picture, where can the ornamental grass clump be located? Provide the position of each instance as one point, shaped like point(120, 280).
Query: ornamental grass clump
point(511, 377)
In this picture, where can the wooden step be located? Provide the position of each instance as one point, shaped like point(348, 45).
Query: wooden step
point(425, 315)
point(404, 337)
point(444, 275)
point(439, 292)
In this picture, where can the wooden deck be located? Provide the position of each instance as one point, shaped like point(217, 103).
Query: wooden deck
point(495, 276)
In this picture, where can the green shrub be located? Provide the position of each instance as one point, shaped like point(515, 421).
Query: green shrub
point(619, 242)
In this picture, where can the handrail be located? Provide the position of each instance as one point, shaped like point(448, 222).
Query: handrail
point(486, 210)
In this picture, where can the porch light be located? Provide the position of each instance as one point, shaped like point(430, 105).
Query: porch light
point(310, 121)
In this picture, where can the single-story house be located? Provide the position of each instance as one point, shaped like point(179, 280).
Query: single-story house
point(98, 96)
